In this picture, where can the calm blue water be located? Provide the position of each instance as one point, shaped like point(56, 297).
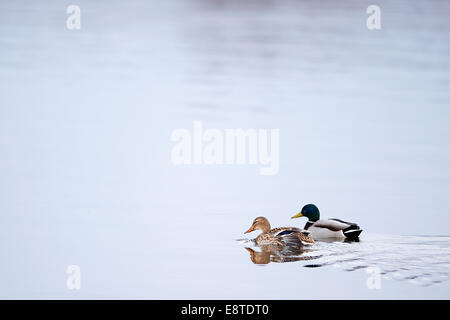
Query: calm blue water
point(85, 124)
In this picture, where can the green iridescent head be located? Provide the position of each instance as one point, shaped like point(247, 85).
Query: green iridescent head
point(310, 211)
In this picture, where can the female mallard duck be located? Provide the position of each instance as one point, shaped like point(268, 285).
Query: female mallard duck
point(331, 228)
point(278, 237)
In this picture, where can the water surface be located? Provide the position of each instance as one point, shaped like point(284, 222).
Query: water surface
point(85, 124)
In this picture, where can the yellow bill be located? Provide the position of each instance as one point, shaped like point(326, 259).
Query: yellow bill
point(298, 215)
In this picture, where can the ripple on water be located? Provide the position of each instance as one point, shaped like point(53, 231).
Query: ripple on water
point(420, 260)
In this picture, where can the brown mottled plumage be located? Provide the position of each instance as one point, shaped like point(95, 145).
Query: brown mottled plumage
point(279, 237)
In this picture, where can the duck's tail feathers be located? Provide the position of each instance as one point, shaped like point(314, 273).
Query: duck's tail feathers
point(352, 232)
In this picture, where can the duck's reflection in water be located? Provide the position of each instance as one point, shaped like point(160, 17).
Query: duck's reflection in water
point(269, 254)
point(420, 260)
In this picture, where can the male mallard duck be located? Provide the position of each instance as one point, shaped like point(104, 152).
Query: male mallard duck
point(279, 237)
point(331, 228)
